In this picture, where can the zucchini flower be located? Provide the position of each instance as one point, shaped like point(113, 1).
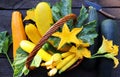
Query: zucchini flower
point(108, 50)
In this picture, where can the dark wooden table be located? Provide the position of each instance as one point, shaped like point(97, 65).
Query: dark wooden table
point(6, 8)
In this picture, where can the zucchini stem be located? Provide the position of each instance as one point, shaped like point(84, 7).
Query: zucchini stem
point(9, 60)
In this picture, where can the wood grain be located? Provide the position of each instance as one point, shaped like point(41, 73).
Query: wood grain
point(27, 4)
point(5, 68)
point(109, 3)
point(113, 11)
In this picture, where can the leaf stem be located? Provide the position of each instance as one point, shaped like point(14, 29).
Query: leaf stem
point(9, 60)
point(97, 56)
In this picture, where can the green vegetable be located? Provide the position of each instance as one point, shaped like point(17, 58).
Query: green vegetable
point(92, 14)
point(93, 48)
point(94, 17)
point(109, 29)
point(5, 42)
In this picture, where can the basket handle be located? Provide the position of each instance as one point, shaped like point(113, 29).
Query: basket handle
point(52, 29)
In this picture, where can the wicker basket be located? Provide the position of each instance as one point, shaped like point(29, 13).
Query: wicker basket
point(53, 28)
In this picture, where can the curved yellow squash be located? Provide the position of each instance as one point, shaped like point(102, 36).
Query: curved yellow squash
point(43, 17)
point(29, 46)
point(32, 33)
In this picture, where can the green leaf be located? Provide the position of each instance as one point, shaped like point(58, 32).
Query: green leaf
point(82, 17)
point(56, 12)
point(56, 41)
point(19, 63)
point(88, 33)
point(5, 42)
point(36, 61)
point(62, 8)
point(66, 7)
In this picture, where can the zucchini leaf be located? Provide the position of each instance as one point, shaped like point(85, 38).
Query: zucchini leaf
point(36, 61)
point(62, 8)
point(82, 17)
point(88, 33)
point(5, 42)
point(19, 63)
point(56, 12)
point(66, 7)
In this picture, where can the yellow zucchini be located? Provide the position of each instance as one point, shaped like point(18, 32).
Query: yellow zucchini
point(70, 63)
point(43, 17)
point(28, 47)
point(65, 61)
point(32, 33)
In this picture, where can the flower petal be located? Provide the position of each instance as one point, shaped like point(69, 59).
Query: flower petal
point(86, 53)
point(111, 56)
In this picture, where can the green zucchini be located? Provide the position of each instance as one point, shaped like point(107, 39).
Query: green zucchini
point(91, 63)
point(109, 29)
point(93, 16)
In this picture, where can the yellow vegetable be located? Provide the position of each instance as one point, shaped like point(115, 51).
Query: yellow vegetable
point(52, 72)
point(65, 61)
point(65, 54)
point(18, 32)
point(70, 63)
point(28, 47)
point(43, 17)
point(32, 33)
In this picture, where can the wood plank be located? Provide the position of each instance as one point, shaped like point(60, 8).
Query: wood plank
point(5, 68)
point(27, 4)
point(117, 72)
point(5, 20)
point(113, 11)
point(109, 3)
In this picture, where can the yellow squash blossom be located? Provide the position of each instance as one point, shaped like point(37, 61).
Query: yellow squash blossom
point(116, 62)
point(80, 52)
point(107, 46)
point(82, 44)
point(30, 14)
point(108, 50)
point(67, 36)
